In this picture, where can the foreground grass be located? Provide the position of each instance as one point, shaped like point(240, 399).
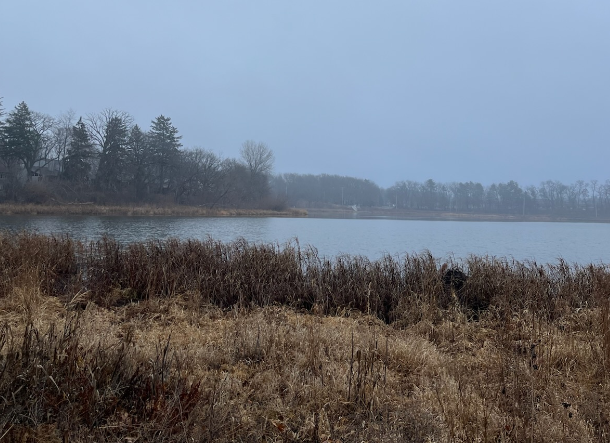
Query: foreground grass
point(142, 210)
point(89, 354)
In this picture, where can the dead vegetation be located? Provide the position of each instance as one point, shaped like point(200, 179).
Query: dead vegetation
point(88, 208)
point(205, 341)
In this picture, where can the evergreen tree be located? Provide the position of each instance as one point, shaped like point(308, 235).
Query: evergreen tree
point(77, 163)
point(165, 145)
point(24, 139)
point(139, 159)
point(112, 167)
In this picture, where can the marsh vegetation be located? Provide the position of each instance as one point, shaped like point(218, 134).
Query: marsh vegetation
point(179, 340)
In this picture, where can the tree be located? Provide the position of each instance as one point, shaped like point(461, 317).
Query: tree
point(258, 158)
point(111, 170)
point(511, 197)
point(2, 134)
point(61, 134)
point(139, 159)
point(77, 162)
point(108, 130)
point(234, 180)
point(531, 199)
point(1, 122)
point(165, 145)
point(198, 176)
point(429, 194)
point(27, 139)
point(593, 190)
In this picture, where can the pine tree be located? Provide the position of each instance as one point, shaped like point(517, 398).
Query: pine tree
point(77, 163)
point(140, 157)
point(112, 167)
point(165, 145)
point(21, 140)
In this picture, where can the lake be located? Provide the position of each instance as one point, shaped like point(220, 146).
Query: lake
point(541, 241)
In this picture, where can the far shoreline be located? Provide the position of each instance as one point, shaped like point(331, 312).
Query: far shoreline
point(90, 209)
point(143, 211)
point(425, 215)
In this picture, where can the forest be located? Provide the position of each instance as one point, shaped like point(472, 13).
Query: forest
point(106, 158)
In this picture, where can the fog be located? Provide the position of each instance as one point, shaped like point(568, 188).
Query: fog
point(454, 91)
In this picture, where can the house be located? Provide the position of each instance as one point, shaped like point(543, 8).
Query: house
point(48, 171)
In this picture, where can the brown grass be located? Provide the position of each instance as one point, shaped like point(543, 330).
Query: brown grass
point(204, 341)
point(142, 210)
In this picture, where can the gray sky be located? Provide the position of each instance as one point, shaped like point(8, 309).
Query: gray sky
point(482, 90)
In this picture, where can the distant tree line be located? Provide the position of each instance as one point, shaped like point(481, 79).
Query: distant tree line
point(106, 158)
point(310, 191)
point(588, 199)
point(550, 197)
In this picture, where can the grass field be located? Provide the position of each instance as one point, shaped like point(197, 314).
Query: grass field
point(205, 341)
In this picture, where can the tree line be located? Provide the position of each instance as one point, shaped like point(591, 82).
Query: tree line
point(107, 158)
point(552, 197)
point(588, 199)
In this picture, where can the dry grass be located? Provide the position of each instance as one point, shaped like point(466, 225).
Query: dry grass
point(298, 349)
point(142, 210)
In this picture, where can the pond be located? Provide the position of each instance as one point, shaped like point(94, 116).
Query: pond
point(541, 241)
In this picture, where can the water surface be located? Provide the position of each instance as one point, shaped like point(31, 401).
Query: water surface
point(541, 241)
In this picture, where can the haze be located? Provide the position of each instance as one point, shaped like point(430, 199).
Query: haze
point(394, 90)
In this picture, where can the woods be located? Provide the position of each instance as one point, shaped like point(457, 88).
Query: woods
point(106, 158)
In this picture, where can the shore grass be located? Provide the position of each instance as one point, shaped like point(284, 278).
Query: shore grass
point(143, 210)
point(205, 341)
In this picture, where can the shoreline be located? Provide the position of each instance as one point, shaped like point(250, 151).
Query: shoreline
point(195, 211)
point(448, 216)
point(143, 211)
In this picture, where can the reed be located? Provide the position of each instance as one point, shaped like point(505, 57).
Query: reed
point(209, 341)
point(143, 210)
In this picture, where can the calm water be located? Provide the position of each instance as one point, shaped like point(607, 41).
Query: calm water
point(544, 242)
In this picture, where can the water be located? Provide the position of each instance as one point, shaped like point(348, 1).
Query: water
point(544, 242)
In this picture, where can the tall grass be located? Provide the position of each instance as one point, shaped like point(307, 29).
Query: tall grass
point(209, 341)
point(229, 274)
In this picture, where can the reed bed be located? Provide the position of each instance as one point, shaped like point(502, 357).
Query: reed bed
point(209, 341)
point(143, 210)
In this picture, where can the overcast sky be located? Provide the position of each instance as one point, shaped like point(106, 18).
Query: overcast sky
point(487, 91)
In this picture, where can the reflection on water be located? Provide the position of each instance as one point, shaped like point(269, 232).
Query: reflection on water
point(543, 242)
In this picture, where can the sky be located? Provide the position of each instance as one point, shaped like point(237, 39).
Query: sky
point(469, 90)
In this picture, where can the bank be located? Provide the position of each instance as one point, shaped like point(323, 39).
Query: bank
point(143, 210)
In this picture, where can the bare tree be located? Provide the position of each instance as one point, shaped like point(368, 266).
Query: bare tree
point(199, 175)
point(258, 157)
point(109, 130)
point(97, 124)
point(593, 191)
point(62, 134)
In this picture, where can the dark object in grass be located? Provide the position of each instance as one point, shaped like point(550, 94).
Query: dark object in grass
point(464, 291)
point(453, 279)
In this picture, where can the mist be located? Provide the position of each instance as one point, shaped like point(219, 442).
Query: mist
point(468, 91)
